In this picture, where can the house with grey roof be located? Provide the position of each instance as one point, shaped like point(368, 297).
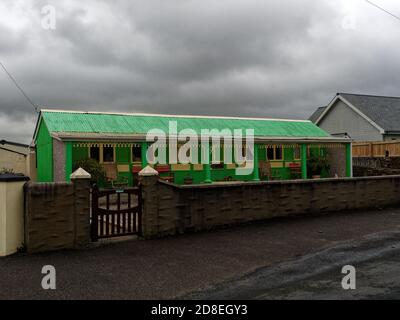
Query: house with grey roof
point(360, 117)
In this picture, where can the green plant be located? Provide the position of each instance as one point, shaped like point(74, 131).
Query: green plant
point(317, 165)
point(93, 167)
point(6, 171)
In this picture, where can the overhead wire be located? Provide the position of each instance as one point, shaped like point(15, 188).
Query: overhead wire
point(19, 87)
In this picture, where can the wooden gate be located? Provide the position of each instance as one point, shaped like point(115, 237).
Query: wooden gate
point(115, 213)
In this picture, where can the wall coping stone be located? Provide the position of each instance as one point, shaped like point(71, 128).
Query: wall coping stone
point(148, 171)
point(80, 174)
point(279, 182)
point(10, 177)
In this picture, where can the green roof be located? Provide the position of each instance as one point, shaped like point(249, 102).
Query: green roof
point(109, 123)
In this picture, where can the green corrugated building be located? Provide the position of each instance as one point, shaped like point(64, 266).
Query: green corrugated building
point(282, 147)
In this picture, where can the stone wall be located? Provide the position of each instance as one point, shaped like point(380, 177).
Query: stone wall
point(57, 215)
point(170, 209)
point(376, 166)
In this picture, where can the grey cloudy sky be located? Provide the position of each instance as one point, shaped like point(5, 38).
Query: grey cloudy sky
point(270, 58)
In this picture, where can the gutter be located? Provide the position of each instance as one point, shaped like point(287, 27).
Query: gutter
point(142, 138)
point(15, 144)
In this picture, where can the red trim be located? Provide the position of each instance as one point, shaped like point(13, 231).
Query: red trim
point(163, 168)
point(294, 165)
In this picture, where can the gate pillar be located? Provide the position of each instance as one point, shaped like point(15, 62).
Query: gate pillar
point(81, 182)
point(148, 178)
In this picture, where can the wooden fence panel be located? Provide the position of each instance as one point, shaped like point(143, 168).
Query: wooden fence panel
point(376, 149)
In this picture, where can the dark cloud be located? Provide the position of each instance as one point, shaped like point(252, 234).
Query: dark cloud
point(249, 57)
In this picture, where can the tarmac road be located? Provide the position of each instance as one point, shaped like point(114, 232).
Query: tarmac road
point(318, 276)
point(176, 266)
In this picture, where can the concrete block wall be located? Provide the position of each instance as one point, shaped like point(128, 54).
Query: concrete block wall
point(57, 215)
point(376, 166)
point(170, 209)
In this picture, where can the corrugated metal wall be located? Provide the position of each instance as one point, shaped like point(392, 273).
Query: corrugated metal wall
point(44, 154)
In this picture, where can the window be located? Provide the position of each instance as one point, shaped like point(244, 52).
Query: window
point(246, 153)
point(275, 153)
point(108, 154)
point(270, 153)
point(136, 154)
point(151, 154)
point(243, 151)
point(178, 150)
point(296, 153)
point(95, 153)
point(278, 153)
point(188, 153)
point(250, 152)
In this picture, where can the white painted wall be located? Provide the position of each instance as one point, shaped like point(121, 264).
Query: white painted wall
point(11, 217)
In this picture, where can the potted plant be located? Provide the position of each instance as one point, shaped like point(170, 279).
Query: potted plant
point(316, 166)
point(94, 168)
